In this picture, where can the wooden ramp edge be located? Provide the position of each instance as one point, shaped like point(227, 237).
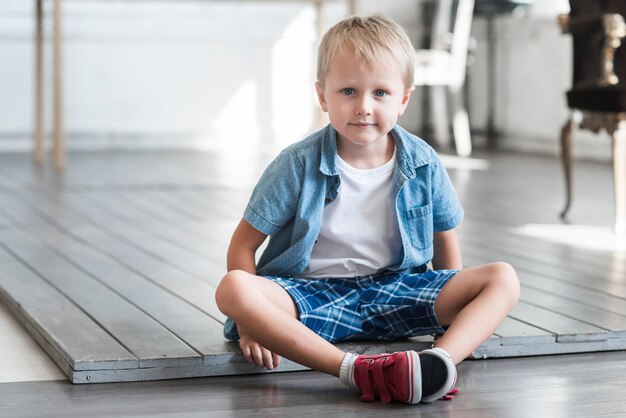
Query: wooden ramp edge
point(120, 366)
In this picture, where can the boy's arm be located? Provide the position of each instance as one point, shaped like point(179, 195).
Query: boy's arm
point(244, 243)
point(241, 253)
point(447, 252)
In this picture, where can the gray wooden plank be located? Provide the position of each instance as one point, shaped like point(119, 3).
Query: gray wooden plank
point(190, 288)
point(14, 177)
point(517, 350)
point(180, 201)
point(192, 237)
point(196, 329)
point(589, 263)
point(514, 332)
point(164, 245)
point(219, 365)
point(182, 259)
point(589, 314)
point(150, 342)
point(111, 206)
point(232, 202)
point(587, 296)
point(193, 289)
point(482, 250)
point(161, 210)
point(230, 361)
point(200, 266)
point(6, 220)
point(566, 329)
point(71, 337)
point(20, 212)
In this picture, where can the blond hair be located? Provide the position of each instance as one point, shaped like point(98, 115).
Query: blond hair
point(374, 39)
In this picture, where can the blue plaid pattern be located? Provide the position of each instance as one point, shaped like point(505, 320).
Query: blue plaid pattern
point(378, 307)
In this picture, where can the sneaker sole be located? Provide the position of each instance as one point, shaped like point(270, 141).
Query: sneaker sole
point(415, 380)
point(441, 372)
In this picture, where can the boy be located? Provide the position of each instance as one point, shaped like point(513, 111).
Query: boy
point(355, 212)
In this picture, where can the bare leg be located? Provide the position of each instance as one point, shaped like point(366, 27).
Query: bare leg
point(267, 312)
point(473, 304)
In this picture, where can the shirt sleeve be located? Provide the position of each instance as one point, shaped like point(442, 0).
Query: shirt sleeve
point(447, 209)
point(275, 197)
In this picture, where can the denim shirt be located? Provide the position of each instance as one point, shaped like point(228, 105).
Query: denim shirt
point(289, 199)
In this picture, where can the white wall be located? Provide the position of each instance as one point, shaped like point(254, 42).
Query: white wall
point(174, 74)
point(217, 73)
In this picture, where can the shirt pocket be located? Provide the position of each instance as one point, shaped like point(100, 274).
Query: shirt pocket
point(419, 226)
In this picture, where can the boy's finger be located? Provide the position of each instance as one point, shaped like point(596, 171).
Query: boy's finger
point(257, 354)
point(247, 355)
point(268, 358)
point(276, 359)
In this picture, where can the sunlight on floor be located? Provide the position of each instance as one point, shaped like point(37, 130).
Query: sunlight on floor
point(462, 163)
point(22, 359)
point(595, 238)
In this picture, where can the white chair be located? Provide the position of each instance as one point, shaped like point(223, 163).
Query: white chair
point(443, 67)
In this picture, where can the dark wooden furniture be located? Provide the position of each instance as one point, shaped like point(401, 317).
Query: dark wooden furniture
point(597, 98)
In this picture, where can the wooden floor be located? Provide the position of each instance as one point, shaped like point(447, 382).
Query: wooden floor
point(580, 385)
point(112, 265)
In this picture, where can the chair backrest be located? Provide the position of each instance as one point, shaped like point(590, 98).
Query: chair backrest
point(587, 50)
point(451, 30)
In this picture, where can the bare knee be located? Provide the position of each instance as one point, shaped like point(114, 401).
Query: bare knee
point(231, 290)
point(503, 276)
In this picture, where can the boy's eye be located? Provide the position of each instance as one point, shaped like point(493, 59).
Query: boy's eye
point(348, 91)
point(380, 93)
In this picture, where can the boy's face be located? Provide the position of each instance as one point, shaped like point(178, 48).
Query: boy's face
point(363, 101)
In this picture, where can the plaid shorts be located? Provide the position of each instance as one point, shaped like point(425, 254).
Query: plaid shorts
point(377, 307)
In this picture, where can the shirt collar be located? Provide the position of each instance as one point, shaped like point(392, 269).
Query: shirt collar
point(410, 153)
point(328, 164)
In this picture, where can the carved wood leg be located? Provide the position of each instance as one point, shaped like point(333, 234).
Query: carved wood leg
point(566, 141)
point(619, 176)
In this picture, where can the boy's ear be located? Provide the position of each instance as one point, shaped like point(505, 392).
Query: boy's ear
point(405, 99)
point(320, 96)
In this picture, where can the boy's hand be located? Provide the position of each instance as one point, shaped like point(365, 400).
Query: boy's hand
point(255, 353)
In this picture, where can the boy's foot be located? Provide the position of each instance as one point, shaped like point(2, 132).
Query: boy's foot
point(405, 376)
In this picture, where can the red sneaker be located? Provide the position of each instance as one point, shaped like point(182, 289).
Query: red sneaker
point(405, 376)
point(389, 376)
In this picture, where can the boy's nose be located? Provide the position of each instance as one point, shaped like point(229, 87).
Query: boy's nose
point(364, 106)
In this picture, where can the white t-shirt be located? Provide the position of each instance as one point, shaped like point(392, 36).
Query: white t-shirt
point(359, 234)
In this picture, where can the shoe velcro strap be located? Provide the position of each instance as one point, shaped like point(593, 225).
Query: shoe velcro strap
point(365, 386)
point(380, 385)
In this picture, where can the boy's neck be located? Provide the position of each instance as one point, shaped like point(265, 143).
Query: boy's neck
point(367, 157)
